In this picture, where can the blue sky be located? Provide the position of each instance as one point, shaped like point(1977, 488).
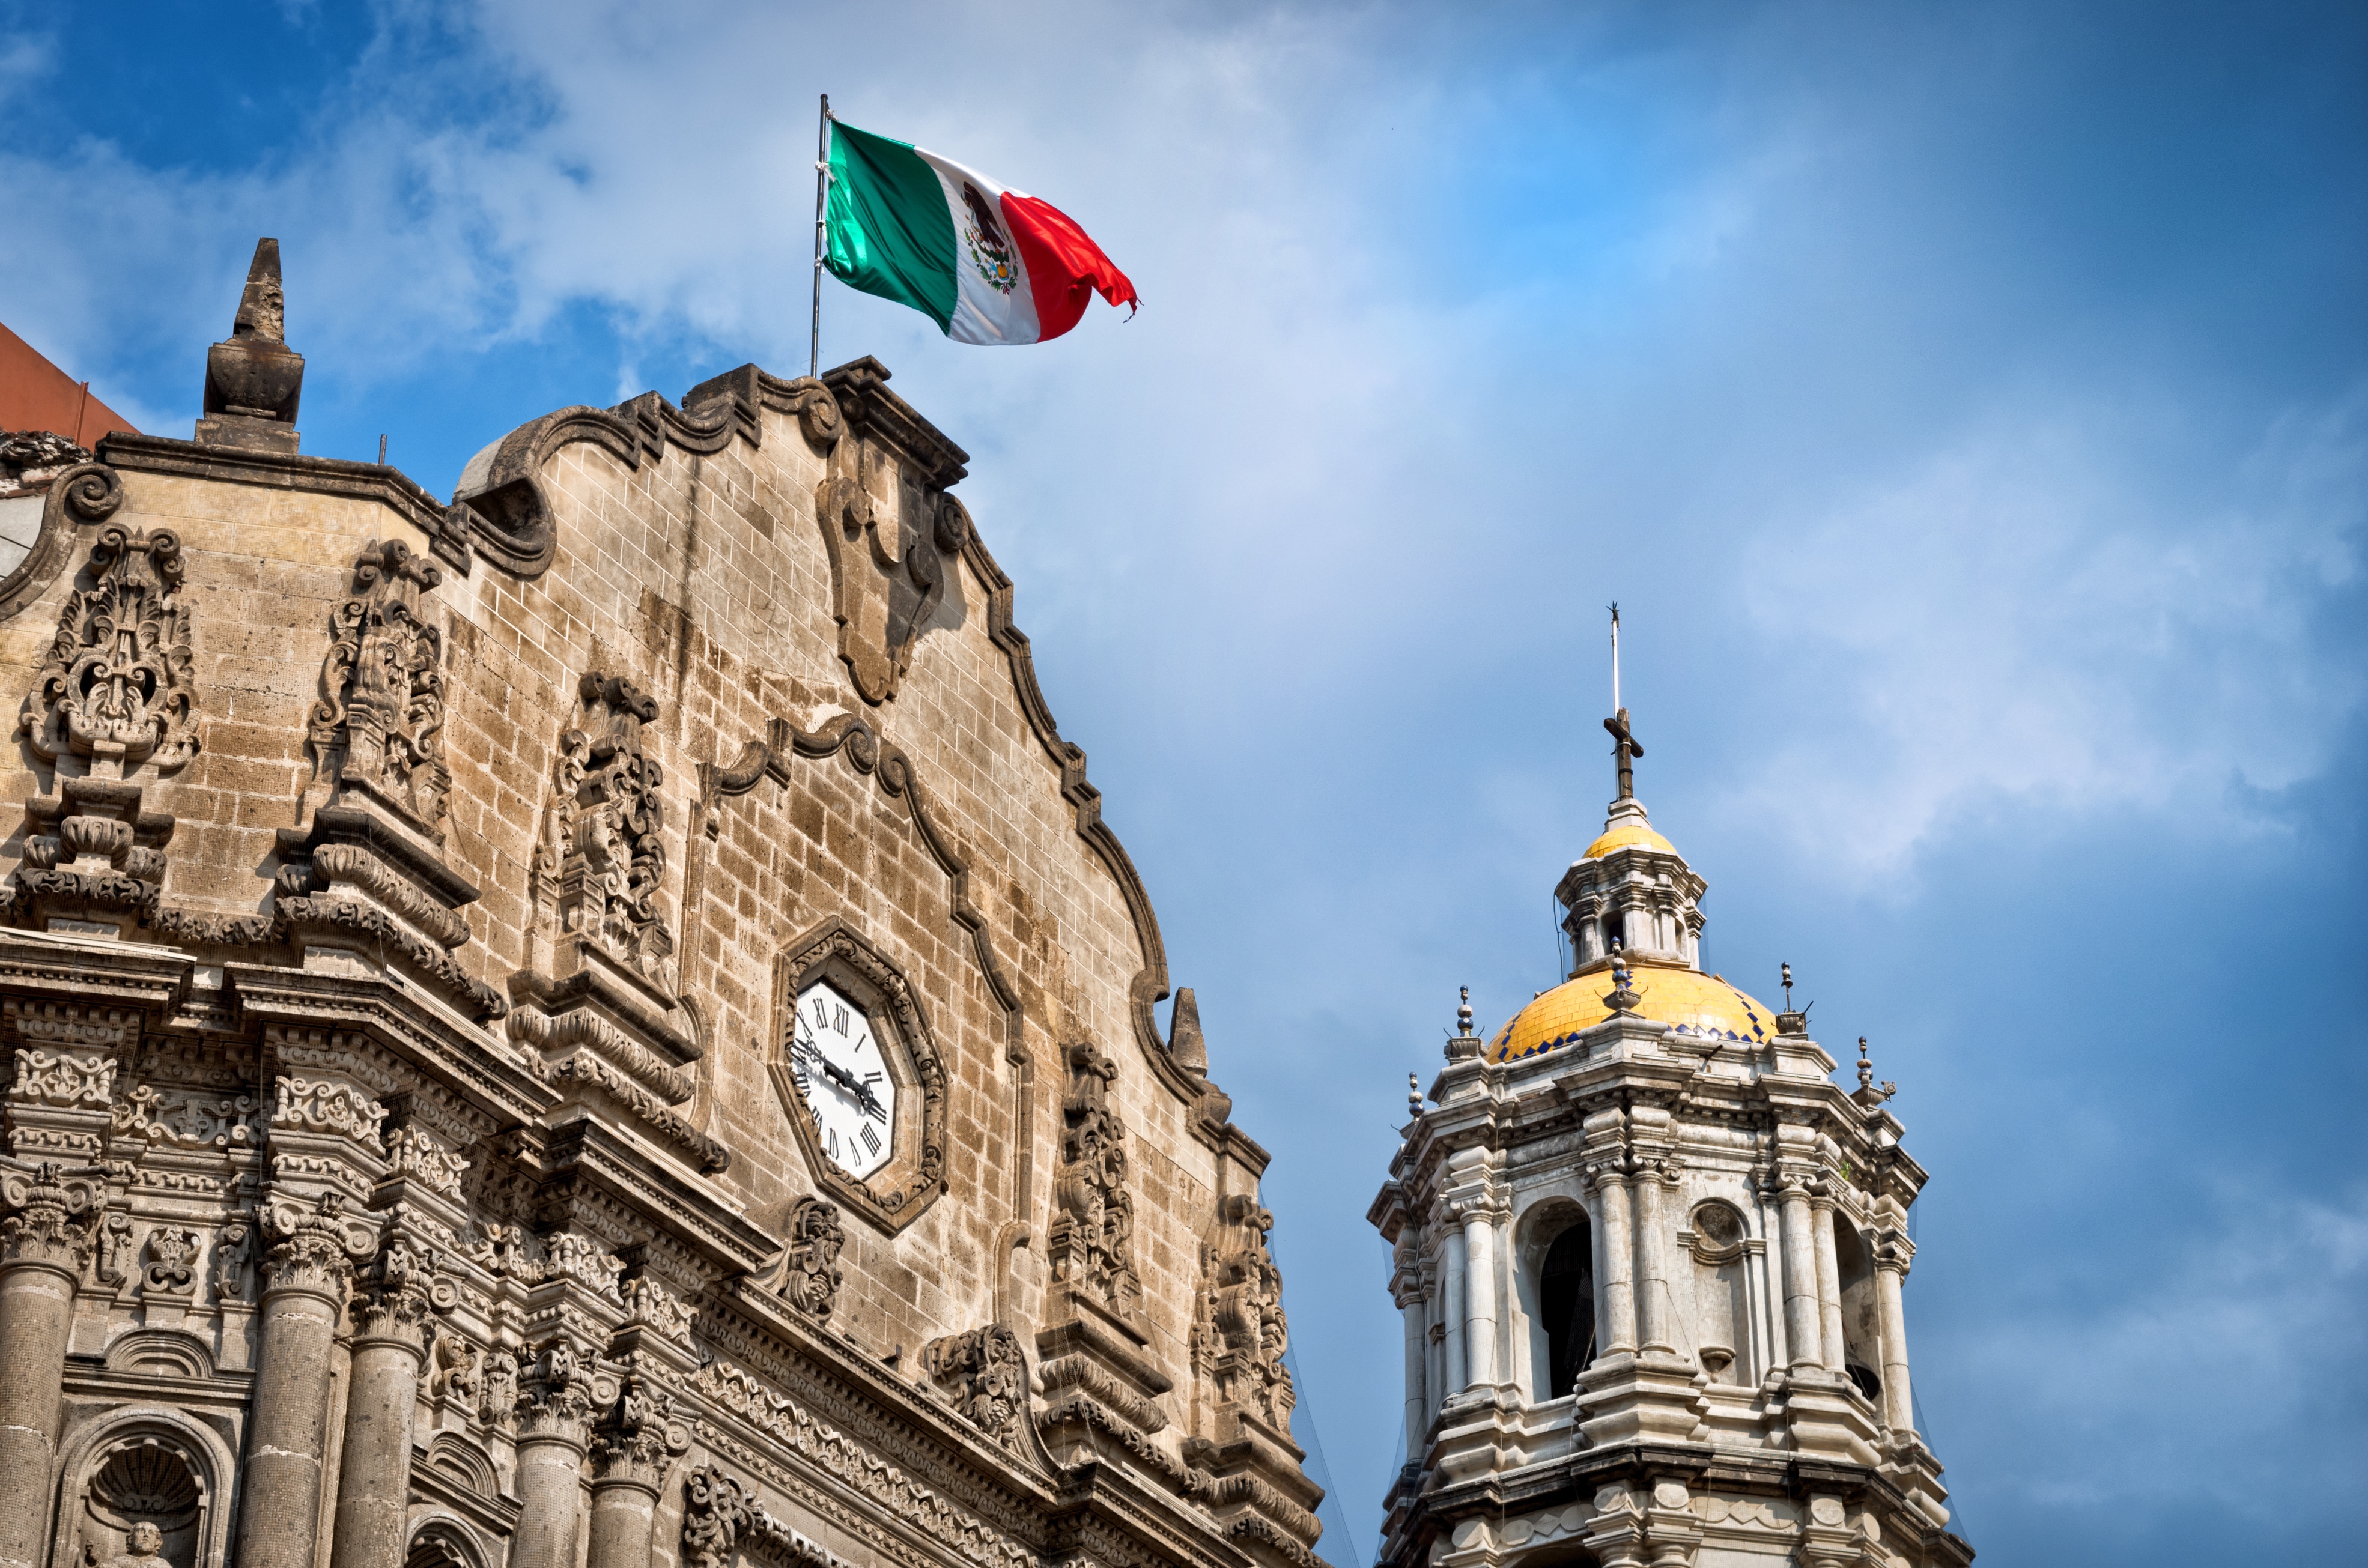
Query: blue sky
point(1967, 405)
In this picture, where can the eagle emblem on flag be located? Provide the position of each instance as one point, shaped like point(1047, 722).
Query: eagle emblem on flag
point(983, 236)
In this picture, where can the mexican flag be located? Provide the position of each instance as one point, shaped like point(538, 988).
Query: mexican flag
point(988, 263)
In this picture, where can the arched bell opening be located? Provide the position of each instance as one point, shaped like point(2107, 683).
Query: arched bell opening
point(1557, 1281)
point(1861, 1337)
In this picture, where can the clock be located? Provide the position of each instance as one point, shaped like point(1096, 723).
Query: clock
point(859, 1077)
point(840, 1073)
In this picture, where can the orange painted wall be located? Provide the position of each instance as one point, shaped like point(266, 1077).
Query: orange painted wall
point(37, 395)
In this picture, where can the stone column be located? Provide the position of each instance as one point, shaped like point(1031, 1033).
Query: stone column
point(1599, 1269)
point(43, 1244)
point(1418, 1352)
point(1898, 1402)
point(1617, 1331)
point(1829, 1284)
point(630, 1449)
point(389, 1318)
point(305, 1276)
point(1652, 1256)
point(554, 1411)
point(1479, 1298)
point(1801, 1316)
point(1451, 1311)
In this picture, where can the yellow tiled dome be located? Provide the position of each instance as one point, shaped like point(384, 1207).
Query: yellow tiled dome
point(1626, 833)
point(1696, 1004)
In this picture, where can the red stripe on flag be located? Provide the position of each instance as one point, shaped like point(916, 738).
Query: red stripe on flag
point(1066, 268)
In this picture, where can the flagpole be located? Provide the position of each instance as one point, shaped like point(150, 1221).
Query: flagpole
point(822, 192)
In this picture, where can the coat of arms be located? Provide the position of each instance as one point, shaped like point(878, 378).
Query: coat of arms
point(989, 247)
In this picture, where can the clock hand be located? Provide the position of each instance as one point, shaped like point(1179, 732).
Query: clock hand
point(845, 1078)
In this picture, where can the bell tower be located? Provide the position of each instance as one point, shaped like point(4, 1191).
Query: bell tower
point(1650, 1257)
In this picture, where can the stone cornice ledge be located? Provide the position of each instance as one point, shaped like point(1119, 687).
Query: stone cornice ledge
point(94, 971)
point(428, 1037)
point(686, 1210)
point(382, 483)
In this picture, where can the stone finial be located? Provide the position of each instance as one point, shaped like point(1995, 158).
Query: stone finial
point(1621, 997)
point(1414, 1095)
point(253, 379)
point(1868, 1094)
point(1463, 1012)
point(1185, 1046)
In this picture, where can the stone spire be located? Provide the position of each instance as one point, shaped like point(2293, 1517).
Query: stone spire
point(253, 378)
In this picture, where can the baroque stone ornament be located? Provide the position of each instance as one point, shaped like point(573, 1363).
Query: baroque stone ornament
point(715, 1510)
point(395, 1294)
point(1242, 1304)
point(314, 1248)
point(600, 862)
point(380, 724)
point(50, 1210)
point(555, 1391)
point(1092, 1241)
point(985, 1374)
point(637, 1435)
point(118, 684)
point(888, 575)
point(172, 1268)
point(811, 1275)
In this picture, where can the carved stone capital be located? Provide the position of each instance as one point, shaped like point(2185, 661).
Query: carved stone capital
point(313, 1249)
point(398, 1291)
point(51, 1212)
point(637, 1435)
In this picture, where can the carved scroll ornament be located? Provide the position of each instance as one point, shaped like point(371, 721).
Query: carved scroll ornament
point(888, 577)
point(986, 1376)
point(380, 723)
point(117, 685)
point(1092, 1241)
point(1246, 1332)
point(601, 862)
point(812, 1277)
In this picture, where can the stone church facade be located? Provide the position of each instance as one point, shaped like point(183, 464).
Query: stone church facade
point(598, 1023)
point(1650, 1257)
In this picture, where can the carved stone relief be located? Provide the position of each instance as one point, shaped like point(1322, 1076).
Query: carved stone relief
point(811, 1275)
point(600, 862)
point(1092, 1240)
point(1242, 1304)
point(378, 726)
point(985, 1375)
point(117, 685)
point(888, 575)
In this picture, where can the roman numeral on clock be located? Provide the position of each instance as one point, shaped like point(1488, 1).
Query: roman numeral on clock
point(832, 1134)
point(871, 1138)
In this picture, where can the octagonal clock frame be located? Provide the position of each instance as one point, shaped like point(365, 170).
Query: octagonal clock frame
point(896, 1194)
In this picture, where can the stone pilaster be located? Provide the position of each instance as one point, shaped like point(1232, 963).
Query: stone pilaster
point(44, 1243)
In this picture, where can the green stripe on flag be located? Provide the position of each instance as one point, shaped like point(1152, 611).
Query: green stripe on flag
point(890, 232)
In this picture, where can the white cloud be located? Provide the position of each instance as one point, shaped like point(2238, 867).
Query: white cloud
point(2046, 614)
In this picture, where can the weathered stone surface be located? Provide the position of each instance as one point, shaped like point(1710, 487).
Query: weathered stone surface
point(428, 1076)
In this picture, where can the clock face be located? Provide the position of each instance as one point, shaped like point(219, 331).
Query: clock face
point(836, 1063)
